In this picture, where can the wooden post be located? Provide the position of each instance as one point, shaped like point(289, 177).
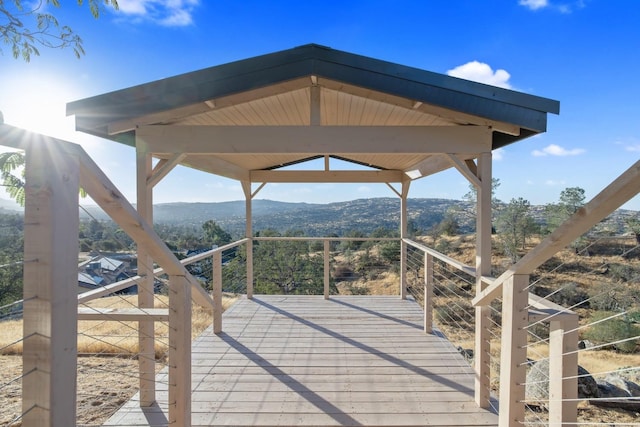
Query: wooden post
point(246, 187)
point(482, 353)
point(146, 332)
point(327, 276)
point(217, 292)
point(403, 235)
point(563, 371)
point(428, 293)
point(515, 318)
point(50, 291)
point(179, 351)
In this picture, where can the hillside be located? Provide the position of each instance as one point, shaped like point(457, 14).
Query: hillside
point(364, 215)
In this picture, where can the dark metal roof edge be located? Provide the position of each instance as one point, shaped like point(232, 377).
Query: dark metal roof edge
point(233, 77)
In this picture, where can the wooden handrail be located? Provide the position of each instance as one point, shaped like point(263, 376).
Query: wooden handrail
point(452, 262)
point(130, 281)
point(608, 200)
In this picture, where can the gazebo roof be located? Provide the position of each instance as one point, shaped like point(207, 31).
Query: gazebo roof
point(310, 86)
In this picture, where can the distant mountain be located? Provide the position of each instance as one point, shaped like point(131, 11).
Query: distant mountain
point(316, 219)
point(313, 218)
point(10, 206)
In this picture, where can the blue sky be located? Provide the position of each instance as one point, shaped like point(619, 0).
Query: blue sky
point(586, 54)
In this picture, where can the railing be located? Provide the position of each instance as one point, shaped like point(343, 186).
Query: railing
point(55, 170)
point(516, 314)
point(515, 325)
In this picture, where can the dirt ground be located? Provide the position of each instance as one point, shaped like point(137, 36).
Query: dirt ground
point(104, 384)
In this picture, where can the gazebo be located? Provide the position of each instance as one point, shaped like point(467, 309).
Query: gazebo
point(248, 119)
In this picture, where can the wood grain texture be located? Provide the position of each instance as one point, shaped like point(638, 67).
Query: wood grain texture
point(303, 360)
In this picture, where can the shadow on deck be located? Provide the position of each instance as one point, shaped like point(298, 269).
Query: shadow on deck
point(304, 360)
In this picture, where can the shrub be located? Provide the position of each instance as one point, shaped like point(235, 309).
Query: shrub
point(569, 295)
point(617, 329)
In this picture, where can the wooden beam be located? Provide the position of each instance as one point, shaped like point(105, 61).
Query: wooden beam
point(315, 117)
point(179, 352)
point(316, 139)
point(327, 176)
point(429, 166)
point(625, 187)
point(51, 261)
point(163, 168)
point(216, 165)
point(146, 327)
point(483, 320)
point(113, 202)
point(463, 168)
point(513, 355)
point(123, 314)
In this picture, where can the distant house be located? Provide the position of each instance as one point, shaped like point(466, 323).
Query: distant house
point(86, 282)
point(102, 270)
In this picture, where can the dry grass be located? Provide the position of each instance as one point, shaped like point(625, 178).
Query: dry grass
point(113, 337)
point(103, 383)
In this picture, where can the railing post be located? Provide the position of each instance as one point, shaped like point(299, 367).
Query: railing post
point(179, 351)
point(327, 270)
point(50, 294)
point(403, 269)
point(513, 357)
point(428, 293)
point(217, 292)
point(482, 353)
point(563, 371)
point(146, 297)
point(249, 268)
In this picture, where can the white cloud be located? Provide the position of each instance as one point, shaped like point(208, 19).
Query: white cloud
point(171, 13)
point(534, 4)
point(556, 150)
point(482, 73)
point(552, 183)
point(565, 7)
point(498, 154)
point(364, 189)
point(633, 148)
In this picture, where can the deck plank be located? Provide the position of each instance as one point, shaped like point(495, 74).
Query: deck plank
point(303, 360)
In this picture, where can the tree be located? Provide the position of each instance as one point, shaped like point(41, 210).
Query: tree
point(26, 26)
point(214, 234)
point(10, 163)
point(515, 225)
point(471, 197)
point(634, 225)
point(287, 266)
point(571, 199)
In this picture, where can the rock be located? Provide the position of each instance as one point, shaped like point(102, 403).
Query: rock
point(537, 387)
point(612, 388)
point(629, 387)
point(467, 353)
point(585, 344)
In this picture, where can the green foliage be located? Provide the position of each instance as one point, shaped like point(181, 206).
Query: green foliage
point(605, 297)
point(10, 163)
point(620, 328)
point(26, 26)
point(11, 253)
point(515, 225)
point(214, 234)
point(571, 199)
point(287, 267)
point(570, 295)
point(633, 224)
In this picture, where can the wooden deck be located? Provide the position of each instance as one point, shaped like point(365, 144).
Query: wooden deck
point(306, 361)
